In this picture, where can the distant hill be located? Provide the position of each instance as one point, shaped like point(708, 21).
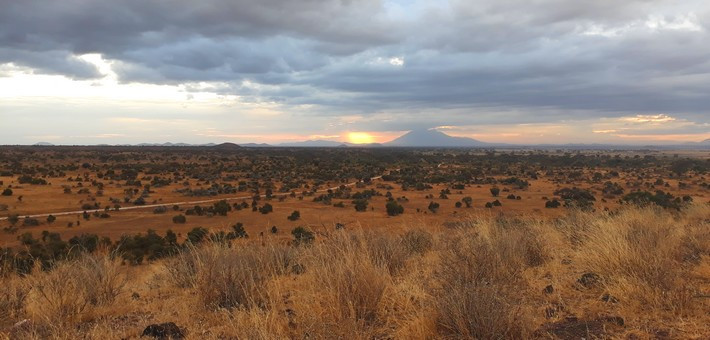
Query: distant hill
point(164, 144)
point(43, 144)
point(433, 138)
point(226, 146)
point(255, 145)
point(314, 143)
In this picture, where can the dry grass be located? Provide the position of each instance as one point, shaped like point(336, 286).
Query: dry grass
point(482, 289)
point(480, 280)
point(229, 277)
point(645, 257)
point(69, 294)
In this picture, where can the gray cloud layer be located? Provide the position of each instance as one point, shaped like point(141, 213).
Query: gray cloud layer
point(556, 59)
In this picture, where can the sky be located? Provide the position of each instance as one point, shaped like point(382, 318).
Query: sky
point(510, 71)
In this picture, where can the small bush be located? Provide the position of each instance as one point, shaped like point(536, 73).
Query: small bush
point(179, 219)
point(302, 236)
point(295, 216)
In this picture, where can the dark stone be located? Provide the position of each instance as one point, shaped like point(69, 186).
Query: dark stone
point(548, 290)
point(168, 330)
point(588, 280)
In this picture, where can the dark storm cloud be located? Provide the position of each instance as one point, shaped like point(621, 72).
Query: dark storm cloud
point(559, 59)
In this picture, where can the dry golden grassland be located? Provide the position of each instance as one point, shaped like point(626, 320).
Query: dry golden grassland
point(637, 273)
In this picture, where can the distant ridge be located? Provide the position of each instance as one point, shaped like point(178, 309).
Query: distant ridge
point(43, 144)
point(433, 138)
point(313, 143)
point(164, 144)
point(226, 146)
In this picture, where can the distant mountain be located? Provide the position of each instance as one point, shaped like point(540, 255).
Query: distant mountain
point(226, 146)
point(43, 144)
point(315, 143)
point(433, 138)
point(164, 144)
point(255, 145)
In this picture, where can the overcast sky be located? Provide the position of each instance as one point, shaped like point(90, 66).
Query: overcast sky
point(517, 71)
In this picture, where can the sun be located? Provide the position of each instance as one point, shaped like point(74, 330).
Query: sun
point(360, 138)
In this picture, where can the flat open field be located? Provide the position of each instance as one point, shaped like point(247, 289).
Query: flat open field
point(56, 180)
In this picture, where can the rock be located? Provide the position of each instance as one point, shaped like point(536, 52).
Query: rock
point(548, 290)
point(168, 330)
point(588, 280)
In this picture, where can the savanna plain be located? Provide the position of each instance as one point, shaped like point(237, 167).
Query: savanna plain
point(226, 242)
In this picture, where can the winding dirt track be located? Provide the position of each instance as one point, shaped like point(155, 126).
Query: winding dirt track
point(149, 206)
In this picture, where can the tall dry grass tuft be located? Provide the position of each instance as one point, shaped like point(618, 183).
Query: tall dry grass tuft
point(481, 282)
point(69, 292)
point(353, 288)
point(102, 277)
point(230, 277)
point(13, 296)
point(644, 257)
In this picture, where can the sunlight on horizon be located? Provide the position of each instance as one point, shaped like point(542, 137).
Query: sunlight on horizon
point(360, 138)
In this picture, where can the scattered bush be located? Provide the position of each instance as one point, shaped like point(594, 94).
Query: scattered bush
point(394, 208)
point(295, 216)
point(179, 219)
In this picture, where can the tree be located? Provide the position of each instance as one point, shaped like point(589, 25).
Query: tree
point(576, 197)
point(51, 219)
point(458, 204)
point(468, 201)
point(222, 208)
point(495, 191)
point(171, 237)
point(295, 215)
point(267, 208)
point(238, 231)
point(660, 198)
point(681, 166)
point(394, 208)
point(139, 201)
point(7, 192)
point(433, 207)
point(196, 235)
point(360, 205)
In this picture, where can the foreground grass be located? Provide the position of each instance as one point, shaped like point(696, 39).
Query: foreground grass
point(640, 273)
